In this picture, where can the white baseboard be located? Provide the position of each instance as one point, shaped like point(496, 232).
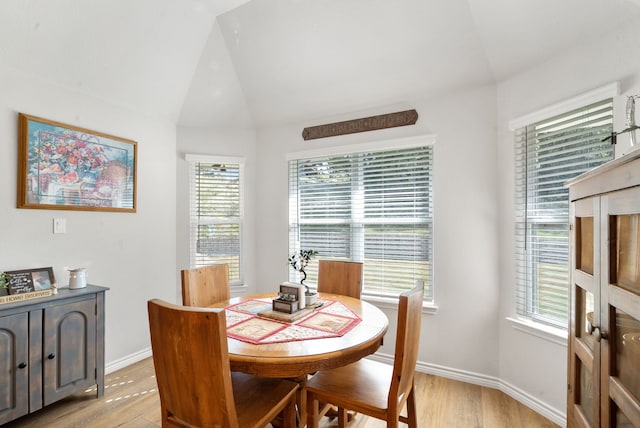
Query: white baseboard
point(540, 407)
point(127, 361)
point(554, 415)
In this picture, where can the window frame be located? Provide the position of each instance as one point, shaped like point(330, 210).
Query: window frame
point(193, 160)
point(522, 307)
point(379, 146)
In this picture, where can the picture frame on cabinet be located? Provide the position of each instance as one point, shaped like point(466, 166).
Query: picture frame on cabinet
point(65, 167)
point(30, 280)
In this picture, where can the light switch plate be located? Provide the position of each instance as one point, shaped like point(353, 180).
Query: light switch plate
point(59, 225)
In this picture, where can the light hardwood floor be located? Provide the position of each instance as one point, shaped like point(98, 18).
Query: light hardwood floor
point(131, 401)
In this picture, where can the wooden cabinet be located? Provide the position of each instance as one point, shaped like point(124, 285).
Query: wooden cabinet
point(14, 373)
point(604, 333)
point(50, 348)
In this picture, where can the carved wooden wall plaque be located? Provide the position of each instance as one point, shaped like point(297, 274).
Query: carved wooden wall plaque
point(371, 123)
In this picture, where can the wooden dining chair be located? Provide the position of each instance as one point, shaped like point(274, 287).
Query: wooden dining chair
point(340, 277)
point(375, 389)
point(205, 285)
point(195, 382)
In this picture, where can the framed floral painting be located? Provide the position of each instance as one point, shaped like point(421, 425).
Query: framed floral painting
point(64, 167)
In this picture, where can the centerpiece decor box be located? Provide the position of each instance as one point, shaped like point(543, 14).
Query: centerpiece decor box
point(285, 306)
point(287, 300)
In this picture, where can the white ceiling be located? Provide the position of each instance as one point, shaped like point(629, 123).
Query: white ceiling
point(264, 62)
point(137, 54)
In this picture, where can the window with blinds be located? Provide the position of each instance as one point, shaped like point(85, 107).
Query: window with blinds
point(372, 207)
point(216, 213)
point(547, 154)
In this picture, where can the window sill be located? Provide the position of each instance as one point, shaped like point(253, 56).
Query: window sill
point(551, 334)
point(391, 303)
point(239, 289)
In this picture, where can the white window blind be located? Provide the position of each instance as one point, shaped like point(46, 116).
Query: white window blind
point(216, 214)
point(373, 207)
point(547, 154)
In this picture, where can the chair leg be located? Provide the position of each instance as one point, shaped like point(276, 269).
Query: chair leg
point(289, 415)
point(342, 417)
point(412, 418)
point(327, 410)
point(331, 412)
point(313, 414)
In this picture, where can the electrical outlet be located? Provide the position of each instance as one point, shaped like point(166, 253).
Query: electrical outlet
point(59, 225)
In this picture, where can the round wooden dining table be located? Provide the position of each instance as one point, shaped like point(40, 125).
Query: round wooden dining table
point(298, 358)
point(295, 360)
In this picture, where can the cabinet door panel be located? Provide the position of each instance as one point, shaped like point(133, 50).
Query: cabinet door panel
point(584, 351)
point(621, 308)
point(626, 261)
point(14, 368)
point(585, 398)
point(623, 346)
point(627, 346)
point(69, 351)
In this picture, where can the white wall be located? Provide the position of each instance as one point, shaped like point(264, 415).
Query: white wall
point(462, 338)
point(133, 254)
point(532, 364)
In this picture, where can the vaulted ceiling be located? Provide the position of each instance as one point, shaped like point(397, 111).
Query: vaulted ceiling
point(240, 63)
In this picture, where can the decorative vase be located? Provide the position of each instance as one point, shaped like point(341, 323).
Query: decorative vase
point(310, 299)
point(77, 278)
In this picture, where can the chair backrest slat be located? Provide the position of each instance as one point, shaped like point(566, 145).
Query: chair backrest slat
point(191, 359)
point(407, 344)
point(340, 277)
point(205, 285)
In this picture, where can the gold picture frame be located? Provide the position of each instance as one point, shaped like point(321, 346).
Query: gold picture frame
point(64, 167)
